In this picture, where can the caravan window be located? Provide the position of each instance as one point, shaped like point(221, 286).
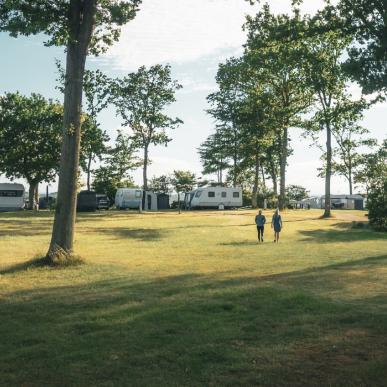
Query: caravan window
point(211, 194)
point(224, 194)
point(198, 194)
point(138, 194)
point(235, 194)
point(11, 194)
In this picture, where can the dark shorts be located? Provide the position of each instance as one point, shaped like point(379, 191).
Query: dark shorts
point(277, 228)
point(260, 228)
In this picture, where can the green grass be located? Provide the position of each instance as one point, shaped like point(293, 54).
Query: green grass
point(193, 300)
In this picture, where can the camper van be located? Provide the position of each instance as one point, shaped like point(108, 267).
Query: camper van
point(135, 198)
point(128, 198)
point(87, 201)
point(214, 197)
point(11, 197)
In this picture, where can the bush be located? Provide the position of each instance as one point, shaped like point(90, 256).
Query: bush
point(377, 207)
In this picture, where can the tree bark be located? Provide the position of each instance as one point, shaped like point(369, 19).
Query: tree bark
point(350, 180)
point(31, 194)
point(36, 195)
point(263, 177)
point(328, 173)
point(283, 163)
point(89, 171)
point(81, 23)
point(145, 168)
point(273, 176)
point(254, 199)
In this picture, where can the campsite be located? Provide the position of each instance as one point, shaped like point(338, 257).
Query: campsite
point(193, 193)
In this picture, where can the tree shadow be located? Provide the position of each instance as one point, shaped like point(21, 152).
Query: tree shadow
point(24, 266)
point(341, 232)
point(195, 330)
point(140, 234)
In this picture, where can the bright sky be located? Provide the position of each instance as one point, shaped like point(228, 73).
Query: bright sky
point(194, 36)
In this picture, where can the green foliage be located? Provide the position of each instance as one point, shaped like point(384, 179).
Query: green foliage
point(183, 181)
point(93, 144)
point(373, 175)
point(140, 99)
point(118, 162)
point(161, 184)
point(377, 205)
point(367, 62)
point(30, 137)
point(296, 192)
point(24, 17)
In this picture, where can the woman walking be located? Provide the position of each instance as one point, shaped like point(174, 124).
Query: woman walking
point(276, 223)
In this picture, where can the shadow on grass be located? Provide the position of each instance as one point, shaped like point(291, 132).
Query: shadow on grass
point(140, 234)
point(342, 232)
point(195, 330)
point(24, 266)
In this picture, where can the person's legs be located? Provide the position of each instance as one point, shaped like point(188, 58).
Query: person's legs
point(259, 234)
point(262, 231)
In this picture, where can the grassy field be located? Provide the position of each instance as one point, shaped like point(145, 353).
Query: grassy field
point(193, 300)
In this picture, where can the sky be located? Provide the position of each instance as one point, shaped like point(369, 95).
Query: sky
point(193, 36)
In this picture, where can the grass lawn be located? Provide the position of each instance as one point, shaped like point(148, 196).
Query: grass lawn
point(193, 300)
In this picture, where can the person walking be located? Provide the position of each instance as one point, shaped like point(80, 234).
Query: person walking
point(260, 221)
point(276, 223)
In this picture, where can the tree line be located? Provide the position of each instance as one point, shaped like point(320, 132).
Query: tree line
point(30, 129)
point(296, 71)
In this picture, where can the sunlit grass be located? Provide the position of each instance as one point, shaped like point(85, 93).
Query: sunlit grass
point(193, 299)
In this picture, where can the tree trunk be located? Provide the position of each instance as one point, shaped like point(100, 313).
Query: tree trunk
point(283, 163)
point(89, 171)
point(350, 181)
point(31, 194)
point(81, 22)
point(263, 177)
point(328, 172)
point(37, 197)
point(178, 201)
point(145, 169)
point(254, 199)
point(273, 176)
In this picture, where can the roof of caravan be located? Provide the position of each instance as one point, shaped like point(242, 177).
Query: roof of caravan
point(357, 196)
point(11, 186)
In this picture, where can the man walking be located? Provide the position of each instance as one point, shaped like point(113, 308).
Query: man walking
point(260, 221)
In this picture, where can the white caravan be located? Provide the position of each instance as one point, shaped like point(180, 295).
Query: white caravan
point(11, 197)
point(134, 198)
point(128, 198)
point(214, 197)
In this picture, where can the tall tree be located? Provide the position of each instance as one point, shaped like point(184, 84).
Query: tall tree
point(322, 61)
point(161, 184)
point(278, 60)
point(82, 26)
point(30, 139)
point(347, 156)
point(213, 156)
point(117, 164)
point(141, 99)
point(93, 146)
point(183, 181)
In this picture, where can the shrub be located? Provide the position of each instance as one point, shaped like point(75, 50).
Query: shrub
point(377, 206)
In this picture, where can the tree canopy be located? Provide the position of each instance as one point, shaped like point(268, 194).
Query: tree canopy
point(30, 138)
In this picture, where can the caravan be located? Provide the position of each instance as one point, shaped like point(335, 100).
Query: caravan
point(128, 198)
point(136, 198)
point(214, 197)
point(11, 197)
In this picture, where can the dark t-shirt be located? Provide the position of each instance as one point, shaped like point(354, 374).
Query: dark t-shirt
point(260, 220)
